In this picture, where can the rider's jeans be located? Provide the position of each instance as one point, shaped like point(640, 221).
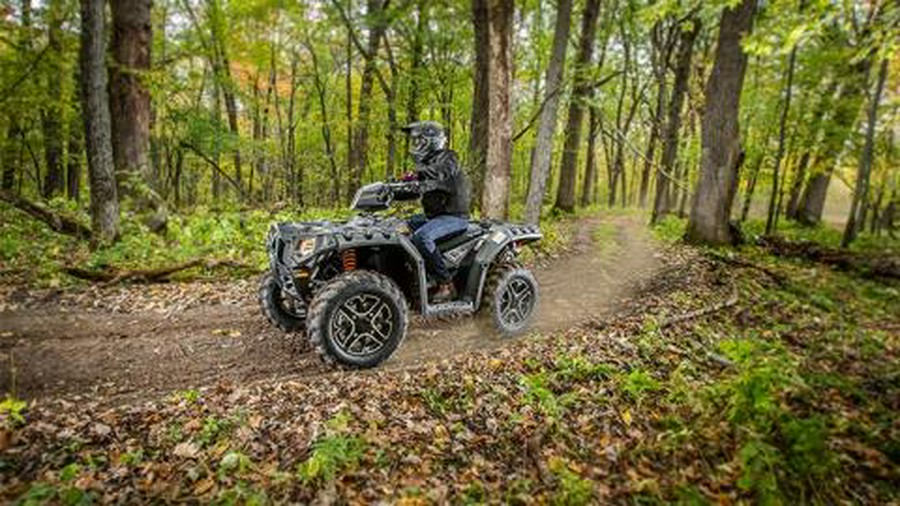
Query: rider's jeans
point(427, 232)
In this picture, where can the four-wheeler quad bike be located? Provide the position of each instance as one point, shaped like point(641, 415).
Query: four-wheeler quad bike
point(347, 284)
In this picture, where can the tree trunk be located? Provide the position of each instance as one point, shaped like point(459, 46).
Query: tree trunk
point(321, 91)
point(495, 199)
point(9, 156)
point(52, 113)
point(348, 89)
point(359, 154)
point(861, 190)
point(129, 96)
point(666, 167)
point(98, 137)
point(618, 165)
point(543, 146)
point(478, 129)
point(590, 168)
point(415, 70)
point(797, 185)
point(568, 170)
point(751, 187)
point(720, 135)
point(840, 126)
point(772, 216)
point(661, 52)
point(73, 163)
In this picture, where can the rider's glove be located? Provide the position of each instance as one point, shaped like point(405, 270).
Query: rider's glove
point(409, 176)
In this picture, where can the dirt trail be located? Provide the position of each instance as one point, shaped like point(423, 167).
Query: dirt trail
point(184, 336)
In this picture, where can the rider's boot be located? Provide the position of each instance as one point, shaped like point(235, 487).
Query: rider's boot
point(445, 292)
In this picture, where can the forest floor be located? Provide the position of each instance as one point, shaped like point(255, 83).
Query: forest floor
point(658, 373)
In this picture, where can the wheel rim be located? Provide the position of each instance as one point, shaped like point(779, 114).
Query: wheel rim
point(516, 301)
point(362, 325)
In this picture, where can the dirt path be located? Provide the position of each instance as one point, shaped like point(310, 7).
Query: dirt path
point(122, 345)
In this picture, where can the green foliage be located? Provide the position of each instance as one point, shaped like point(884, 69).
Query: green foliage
point(638, 383)
point(579, 368)
point(11, 410)
point(334, 452)
point(670, 229)
point(189, 396)
point(234, 463)
point(213, 429)
point(537, 393)
point(571, 489)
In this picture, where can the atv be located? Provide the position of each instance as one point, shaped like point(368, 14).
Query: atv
point(347, 284)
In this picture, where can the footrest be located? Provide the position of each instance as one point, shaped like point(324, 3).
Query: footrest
point(450, 308)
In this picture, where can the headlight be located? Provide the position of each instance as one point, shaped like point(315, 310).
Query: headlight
point(306, 246)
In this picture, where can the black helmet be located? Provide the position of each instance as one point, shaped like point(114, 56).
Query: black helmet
point(426, 138)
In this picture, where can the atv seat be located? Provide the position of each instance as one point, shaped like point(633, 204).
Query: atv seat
point(451, 241)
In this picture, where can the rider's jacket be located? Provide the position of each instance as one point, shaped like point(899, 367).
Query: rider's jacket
point(444, 186)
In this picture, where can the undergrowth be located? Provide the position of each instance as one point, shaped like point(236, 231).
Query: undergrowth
point(31, 253)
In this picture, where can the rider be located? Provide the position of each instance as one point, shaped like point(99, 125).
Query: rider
point(445, 199)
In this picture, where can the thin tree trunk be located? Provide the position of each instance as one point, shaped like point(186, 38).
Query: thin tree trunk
point(52, 114)
point(543, 146)
point(662, 50)
point(393, 124)
point(98, 136)
point(861, 190)
point(73, 163)
point(590, 170)
point(321, 93)
point(495, 198)
point(348, 85)
point(771, 217)
point(9, 155)
point(568, 170)
point(666, 166)
point(478, 129)
point(721, 149)
point(751, 188)
point(359, 154)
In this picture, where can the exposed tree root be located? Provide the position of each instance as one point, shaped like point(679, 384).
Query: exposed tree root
point(57, 222)
point(868, 264)
point(111, 276)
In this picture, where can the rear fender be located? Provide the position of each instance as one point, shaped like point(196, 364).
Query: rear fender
point(495, 243)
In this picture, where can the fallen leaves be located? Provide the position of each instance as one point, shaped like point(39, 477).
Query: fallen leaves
point(584, 415)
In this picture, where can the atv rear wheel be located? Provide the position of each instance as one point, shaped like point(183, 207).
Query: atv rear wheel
point(511, 298)
point(358, 319)
point(282, 310)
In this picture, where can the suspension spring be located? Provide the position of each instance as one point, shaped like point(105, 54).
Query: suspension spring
point(348, 258)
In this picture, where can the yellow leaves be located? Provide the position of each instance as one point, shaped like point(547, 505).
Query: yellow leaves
point(626, 416)
point(203, 486)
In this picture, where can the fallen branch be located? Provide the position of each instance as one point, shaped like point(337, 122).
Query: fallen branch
point(56, 221)
point(715, 308)
point(868, 264)
point(113, 275)
point(738, 262)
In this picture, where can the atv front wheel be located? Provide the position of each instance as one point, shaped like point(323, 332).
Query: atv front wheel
point(358, 319)
point(511, 298)
point(284, 311)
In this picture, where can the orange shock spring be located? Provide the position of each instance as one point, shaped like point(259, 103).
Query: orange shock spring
point(348, 258)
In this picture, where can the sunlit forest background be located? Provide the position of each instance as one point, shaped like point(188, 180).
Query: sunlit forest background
point(221, 113)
